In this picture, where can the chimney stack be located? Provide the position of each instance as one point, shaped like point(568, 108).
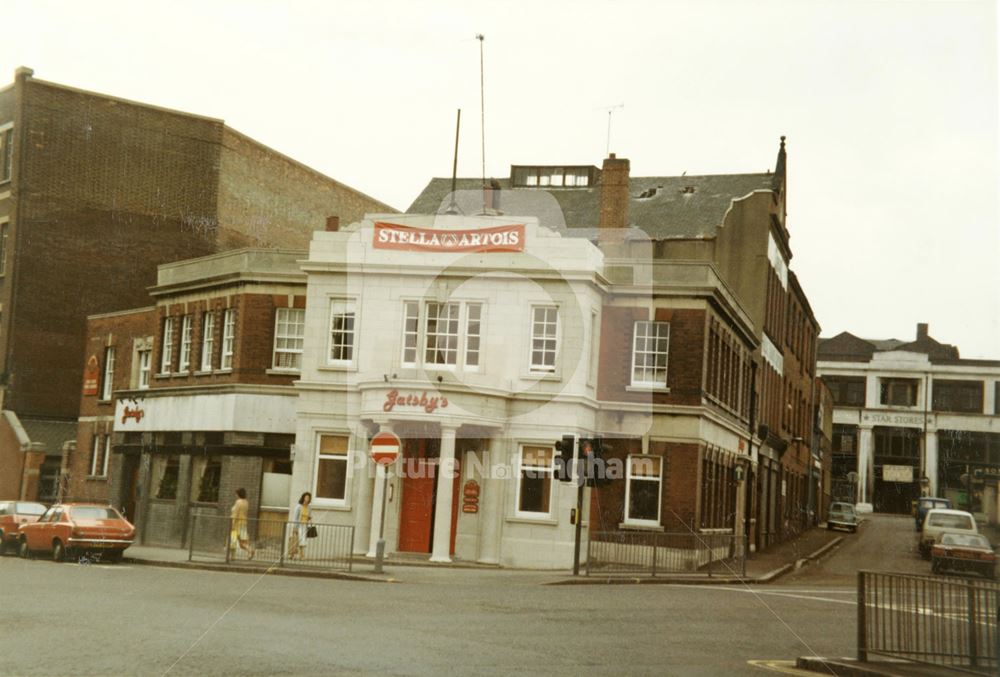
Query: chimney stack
point(332, 224)
point(921, 330)
point(614, 193)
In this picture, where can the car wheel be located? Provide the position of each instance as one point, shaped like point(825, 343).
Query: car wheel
point(58, 551)
point(114, 556)
point(935, 567)
point(3, 544)
point(23, 549)
point(829, 527)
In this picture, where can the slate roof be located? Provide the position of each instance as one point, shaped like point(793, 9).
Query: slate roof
point(52, 433)
point(846, 347)
point(659, 205)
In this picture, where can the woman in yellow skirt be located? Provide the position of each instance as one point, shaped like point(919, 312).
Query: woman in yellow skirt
point(238, 535)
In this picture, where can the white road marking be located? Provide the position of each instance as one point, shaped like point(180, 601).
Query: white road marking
point(784, 667)
point(776, 594)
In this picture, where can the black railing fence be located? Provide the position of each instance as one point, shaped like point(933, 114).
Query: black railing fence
point(652, 553)
point(270, 542)
point(929, 619)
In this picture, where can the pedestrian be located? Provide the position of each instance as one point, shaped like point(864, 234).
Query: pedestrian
point(300, 525)
point(239, 535)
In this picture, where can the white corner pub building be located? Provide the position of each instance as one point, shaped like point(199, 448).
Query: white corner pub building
point(471, 338)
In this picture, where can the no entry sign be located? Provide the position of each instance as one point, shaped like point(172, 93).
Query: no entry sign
point(385, 448)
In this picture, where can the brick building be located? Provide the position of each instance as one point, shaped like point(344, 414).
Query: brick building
point(912, 418)
point(705, 261)
point(95, 192)
point(192, 398)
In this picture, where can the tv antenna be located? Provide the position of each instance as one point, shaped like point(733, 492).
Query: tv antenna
point(482, 111)
point(611, 109)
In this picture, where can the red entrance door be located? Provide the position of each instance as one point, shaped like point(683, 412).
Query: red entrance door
point(416, 519)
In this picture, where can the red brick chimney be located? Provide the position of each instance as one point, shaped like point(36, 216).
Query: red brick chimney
point(332, 224)
point(614, 193)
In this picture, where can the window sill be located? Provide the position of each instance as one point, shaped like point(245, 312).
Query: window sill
point(646, 389)
point(227, 370)
point(537, 521)
point(318, 504)
point(283, 372)
point(161, 375)
point(338, 367)
point(639, 526)
point(541, 376)
point(97, 478)
point(204, 373)
point(105, 400)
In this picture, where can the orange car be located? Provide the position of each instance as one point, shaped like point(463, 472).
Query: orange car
point(70, 528)
point(12, 515)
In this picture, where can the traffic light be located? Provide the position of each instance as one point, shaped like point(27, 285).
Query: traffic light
point(564, 461)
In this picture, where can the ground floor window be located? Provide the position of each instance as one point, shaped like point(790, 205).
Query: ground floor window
point(166, 475)
point(534, 483)
point(643, 489)
point(718, 495)
point(331, 471)
point(207, 478)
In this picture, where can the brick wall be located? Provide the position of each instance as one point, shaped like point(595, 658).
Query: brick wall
point(685, 362)
point(267, 198)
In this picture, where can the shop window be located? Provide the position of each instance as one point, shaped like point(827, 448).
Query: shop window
point(207, 340)
point(898, 392)
point(331, 470)
point(207, 476)
point(342, 332)
point(166, 476)
point(228, 338)
point(108, 384)
point(650, 343)
point(544, 338)
point(167, 345)
point(642, 491)
point(289, 336)
point(534, 485)
point(958, 396)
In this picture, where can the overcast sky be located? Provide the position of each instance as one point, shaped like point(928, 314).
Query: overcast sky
point(890, 109)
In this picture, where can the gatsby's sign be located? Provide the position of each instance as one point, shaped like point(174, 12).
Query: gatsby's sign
point(427, 403)
point(498, 239)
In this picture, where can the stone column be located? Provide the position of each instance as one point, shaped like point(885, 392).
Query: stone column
point(931, 461)
point(441, 548)
point(866, 463)
point(361, 469)
point(491, 505)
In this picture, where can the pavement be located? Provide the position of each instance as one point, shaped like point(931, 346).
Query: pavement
point(763, 567)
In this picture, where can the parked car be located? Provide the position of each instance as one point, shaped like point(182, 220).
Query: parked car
point(925, 503)
point(12, 515)
point(963, 552)
point(70, 528)
point(842, 515)
point(940, 520)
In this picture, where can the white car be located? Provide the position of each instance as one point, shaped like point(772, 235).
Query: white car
point(939, 521)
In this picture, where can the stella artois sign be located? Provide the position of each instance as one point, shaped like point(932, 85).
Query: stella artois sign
point(497, 239)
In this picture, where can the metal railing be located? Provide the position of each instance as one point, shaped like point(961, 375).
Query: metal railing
point(271, 542)
point(639, 552)
point(929, 619)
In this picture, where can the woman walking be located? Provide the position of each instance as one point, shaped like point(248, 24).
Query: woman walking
point(239, 534)
point(300, 523)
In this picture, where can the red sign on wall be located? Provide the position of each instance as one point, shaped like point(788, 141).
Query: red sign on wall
point(497, 239)
point(91, 376)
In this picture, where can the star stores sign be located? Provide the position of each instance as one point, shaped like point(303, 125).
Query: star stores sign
point(498, 239)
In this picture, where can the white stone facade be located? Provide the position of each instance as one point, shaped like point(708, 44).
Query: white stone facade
point(482, 409)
